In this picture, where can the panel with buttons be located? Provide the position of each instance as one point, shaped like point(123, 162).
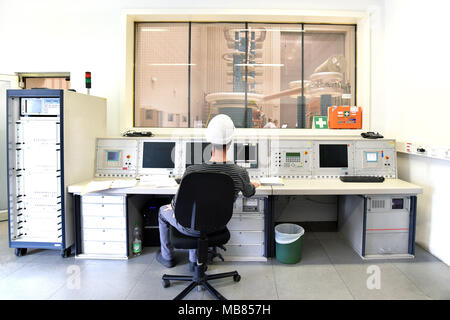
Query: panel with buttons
point(116, 158)
point(251, 154)
point(375, 158)
point(291, 158)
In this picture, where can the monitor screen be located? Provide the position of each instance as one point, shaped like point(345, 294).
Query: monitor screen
point(197, 153)
point(246, 154)
point(113, 155)
point(40, 106)
point(158, 155)
point(333, 156)
point(371, 156)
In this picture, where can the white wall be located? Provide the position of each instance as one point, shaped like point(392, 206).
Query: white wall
point(415, 106)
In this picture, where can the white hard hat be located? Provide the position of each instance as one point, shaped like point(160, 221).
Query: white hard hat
point(220, 130)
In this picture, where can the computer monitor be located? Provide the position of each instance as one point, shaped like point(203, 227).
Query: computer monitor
point(372, 156)
point(113, 158)
point(333, 156)
point(158, 155)
point(197, 153)
point(246, 155)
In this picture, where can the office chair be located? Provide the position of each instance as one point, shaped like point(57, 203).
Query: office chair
point(204, 203)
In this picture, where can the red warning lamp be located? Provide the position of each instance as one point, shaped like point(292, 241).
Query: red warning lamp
point(88, 79)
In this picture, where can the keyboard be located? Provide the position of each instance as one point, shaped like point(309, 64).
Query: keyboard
point(361, 179)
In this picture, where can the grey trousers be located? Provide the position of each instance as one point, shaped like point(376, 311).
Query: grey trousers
point(166, 218)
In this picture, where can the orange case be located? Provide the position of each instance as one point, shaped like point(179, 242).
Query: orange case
point(344, 117)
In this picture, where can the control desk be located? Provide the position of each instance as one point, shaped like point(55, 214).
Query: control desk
point(307, 166)
point(291, 158)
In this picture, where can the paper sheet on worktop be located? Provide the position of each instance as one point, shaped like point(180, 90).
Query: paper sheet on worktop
point(158, 181)
point(130, 183)
point(101, 185)
point(271, 181)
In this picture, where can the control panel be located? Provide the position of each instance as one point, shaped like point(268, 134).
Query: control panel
point(196, 151)
point(333, 158)
point(248, 205)
point(39, 106)
point(116, 158)
point(291, 158)
point(252, 154)
point(375, 158)
point(160, 157)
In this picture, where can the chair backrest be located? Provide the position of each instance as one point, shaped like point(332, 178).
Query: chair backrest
point(205, 201)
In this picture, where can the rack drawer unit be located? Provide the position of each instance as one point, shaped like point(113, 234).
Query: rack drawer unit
point(379, 226)
point(103, 224)
point(50, 145)
point(246, 228)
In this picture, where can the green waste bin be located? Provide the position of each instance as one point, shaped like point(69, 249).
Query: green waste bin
point(288, 240)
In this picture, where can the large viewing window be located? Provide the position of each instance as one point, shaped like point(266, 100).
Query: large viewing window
point(185, 73)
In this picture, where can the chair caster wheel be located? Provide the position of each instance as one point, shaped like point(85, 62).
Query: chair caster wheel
point(237, 278)
point(20, 252)
point(166, 283)
point(66, 253)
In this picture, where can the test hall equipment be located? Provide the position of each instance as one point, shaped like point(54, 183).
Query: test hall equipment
point(51, 145)
point(116, 158)
point(197, 152)
point(159, 157)
point(289, 158)
point(252, 154)
point(378, 226)
point(286, 157)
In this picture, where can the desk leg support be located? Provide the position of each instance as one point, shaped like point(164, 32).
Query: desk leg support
point(412, 226)
point(77, 222)
point(269, 228)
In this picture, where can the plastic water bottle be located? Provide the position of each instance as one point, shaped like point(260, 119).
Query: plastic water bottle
point(137, 241)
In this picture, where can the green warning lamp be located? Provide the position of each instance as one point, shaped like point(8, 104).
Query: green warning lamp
point(88, 80)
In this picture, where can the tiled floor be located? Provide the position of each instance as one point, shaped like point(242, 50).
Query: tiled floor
point(329, 270)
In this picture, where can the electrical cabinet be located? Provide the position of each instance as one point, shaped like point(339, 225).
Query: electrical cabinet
point(51, 142)
point(246, 228)
point(379, 226)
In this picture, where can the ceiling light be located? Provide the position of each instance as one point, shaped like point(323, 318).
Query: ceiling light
point(172, 64)
point(259, 65)
point(153, 30)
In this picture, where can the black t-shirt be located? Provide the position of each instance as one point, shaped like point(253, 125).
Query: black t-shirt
point(238, 174)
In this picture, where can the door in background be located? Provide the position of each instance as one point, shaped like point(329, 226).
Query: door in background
point(6, 82)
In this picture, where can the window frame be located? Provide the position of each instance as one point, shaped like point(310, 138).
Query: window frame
point(362, 56)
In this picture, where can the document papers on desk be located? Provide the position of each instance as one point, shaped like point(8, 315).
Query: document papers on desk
point(271, 181)
point(100, 185)
point(158, 181)
point(128, 183)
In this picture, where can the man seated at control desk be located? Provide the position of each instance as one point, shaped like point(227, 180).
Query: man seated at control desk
point(219, 133)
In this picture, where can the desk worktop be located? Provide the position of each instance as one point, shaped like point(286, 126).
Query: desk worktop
point(337, 187)
point(290, 187)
